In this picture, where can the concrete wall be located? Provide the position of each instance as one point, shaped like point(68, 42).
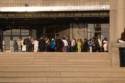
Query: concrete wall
point(117, 24)
point(65, 32)
point(79, 31)
point(52, 2)
point(117, 19)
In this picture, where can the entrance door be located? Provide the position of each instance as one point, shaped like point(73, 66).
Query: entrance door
point(6, 42)
point(14, 34)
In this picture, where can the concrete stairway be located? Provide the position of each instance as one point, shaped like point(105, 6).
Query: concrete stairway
point(59, 68)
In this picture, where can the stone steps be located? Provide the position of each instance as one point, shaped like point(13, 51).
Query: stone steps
point(63, 74)
point(42, 68)
point(62, 80)
point(59, 68)
point(55, 59)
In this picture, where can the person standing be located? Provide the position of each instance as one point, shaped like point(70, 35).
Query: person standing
point(36, 45)
point(59, 45)
point(122, 39)
point(105, 45)
point(73, 45)
point(15, 45)
point(23, 46)
point(42, 44)
point(65, 42)
point(123, 36)
point(52, 45)
point(79, 45)
point(85, 45)
point(90, 45)
point(28, 44)
point(47, 44)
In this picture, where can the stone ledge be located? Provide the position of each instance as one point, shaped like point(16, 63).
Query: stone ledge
point(120, 45)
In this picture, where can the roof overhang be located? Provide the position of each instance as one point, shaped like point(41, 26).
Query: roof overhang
point(55, 8)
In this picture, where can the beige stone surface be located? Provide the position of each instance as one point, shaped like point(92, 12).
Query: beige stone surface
point(52, 2)
point(117, 24)
point(117, 19)
point(59, 68)
point(67, 67)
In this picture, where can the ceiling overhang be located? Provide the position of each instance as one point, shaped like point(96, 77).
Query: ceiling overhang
point(55, 8)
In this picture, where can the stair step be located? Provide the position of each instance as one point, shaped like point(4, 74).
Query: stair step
point(62, 80)
point(62, 74)
point(59, 68)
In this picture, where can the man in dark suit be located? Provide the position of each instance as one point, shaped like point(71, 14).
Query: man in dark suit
point(28, 44)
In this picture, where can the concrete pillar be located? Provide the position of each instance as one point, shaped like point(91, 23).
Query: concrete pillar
point(117, 19)
point(117, 24)
point(71, 31)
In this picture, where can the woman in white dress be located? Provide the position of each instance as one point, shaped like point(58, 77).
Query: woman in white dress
point(23, 46)
point(36, 44)
point(105, 45)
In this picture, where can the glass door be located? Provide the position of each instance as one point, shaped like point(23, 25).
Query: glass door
point(13, 35)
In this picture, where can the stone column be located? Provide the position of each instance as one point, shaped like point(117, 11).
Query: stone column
point(117, 24)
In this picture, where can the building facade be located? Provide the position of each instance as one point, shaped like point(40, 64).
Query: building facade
point(53, 18)
point(22, 3)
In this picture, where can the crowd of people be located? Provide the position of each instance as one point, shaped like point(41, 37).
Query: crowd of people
point(45, 44)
